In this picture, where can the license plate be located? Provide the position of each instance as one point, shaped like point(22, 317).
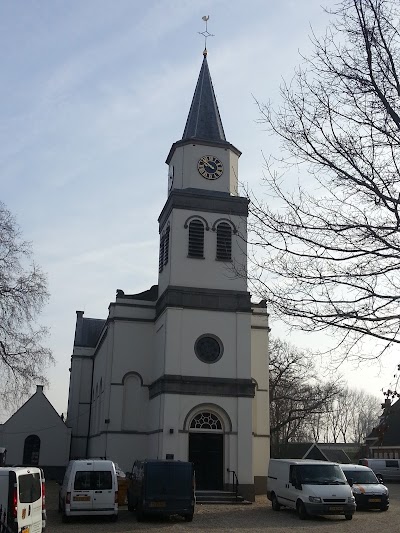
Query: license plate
point(336, 508)
point(81, 498)
point(374, 500)
point(158, 504)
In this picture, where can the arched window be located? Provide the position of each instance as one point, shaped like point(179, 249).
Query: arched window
point(224, 242)
point(206, 421)
point(31, 450)
point(134, 404)
point(196, 239)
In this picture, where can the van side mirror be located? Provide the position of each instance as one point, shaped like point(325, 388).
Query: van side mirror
point(350, 481)
point(298, 486)
point(379, 478)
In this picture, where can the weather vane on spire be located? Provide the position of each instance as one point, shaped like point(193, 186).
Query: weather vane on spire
point(206, 34)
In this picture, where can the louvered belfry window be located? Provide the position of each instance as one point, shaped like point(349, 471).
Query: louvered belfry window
point(164, 250)
point(166, 247)
point(196, 239)
point(161, 255)
point(224, 242)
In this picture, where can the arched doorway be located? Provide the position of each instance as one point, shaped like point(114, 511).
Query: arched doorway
point(31, 450)
point(206, 450)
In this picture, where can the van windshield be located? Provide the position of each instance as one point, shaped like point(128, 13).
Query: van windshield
point(166, 480)
point(321, 475)
point(365, 477)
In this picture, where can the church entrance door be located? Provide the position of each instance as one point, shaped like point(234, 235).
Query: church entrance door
point(206, 452)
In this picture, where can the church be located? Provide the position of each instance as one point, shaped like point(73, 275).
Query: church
point(180, 371)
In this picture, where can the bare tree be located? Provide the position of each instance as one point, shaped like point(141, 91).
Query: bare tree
point(23, 292)
point(296, 394)
point(328, 248)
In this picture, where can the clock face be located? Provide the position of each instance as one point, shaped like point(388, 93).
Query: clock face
point(210, 167)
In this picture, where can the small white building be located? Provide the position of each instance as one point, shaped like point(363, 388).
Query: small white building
point(181, 370)
point(36, 435)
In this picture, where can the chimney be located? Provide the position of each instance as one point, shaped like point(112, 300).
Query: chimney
point(39, 388)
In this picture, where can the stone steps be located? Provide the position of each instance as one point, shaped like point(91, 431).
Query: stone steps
point(219, 497)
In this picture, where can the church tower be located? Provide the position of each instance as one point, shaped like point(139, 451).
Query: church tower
point(180, 371)
point(204, 312)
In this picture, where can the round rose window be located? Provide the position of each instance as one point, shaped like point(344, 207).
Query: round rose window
point(208, 348)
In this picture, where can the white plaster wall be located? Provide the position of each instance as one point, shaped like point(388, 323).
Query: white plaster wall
point(185, 159)
point(79, 391)
point(37, 417)
point(259, 371)
point(184, 328)
point(207, 272)
point(133, 349)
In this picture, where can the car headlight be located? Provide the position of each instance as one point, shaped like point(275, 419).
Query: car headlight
point(315, 499)
point(356, 490)
point(351, 499)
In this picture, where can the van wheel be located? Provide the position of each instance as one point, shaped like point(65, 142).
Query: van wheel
point(188, 517)
point(275, 504)
point(131, 507)
point(301, 511)
point(385, 508)
point(348, 516)
point(139, 515)
point(59, 506)
point(114, 517)
point(66, 518)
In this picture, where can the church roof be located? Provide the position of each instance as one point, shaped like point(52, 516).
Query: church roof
point(204, 121)
point(87, 330)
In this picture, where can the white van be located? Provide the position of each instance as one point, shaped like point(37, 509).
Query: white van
point(90, 487)
point(388, 468)
point(21, 499)
point(310, 487)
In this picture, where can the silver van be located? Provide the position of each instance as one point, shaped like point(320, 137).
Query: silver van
point(90, 487)
point(368, 491)
point(388, 468)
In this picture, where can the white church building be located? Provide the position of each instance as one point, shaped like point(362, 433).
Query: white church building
point(180, 371)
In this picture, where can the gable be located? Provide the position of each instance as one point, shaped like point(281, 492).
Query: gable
point(36, 414)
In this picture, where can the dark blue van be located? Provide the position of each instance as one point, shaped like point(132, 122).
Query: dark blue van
point(162, 488)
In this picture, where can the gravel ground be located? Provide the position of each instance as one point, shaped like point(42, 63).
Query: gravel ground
point(255, 518)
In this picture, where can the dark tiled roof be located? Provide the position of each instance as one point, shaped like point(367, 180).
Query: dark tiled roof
point(387, 432)
point(294, 450)
point(391, 435)
point(204, 121)
point(87, 331)
point(336, 456)
point(313, 450)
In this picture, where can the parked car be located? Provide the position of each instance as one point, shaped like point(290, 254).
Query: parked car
point(310, 487)
point(388, 468)
point(162, 488)
point(368, 491)
point(21, 499)
point(89, 487)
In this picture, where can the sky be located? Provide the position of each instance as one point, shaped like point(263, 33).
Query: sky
point(93, 94)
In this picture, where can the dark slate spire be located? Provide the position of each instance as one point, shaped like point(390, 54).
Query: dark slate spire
point(204, 121)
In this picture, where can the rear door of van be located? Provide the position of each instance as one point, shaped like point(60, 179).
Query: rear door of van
point(104, 485)
point(81, 488)
point(29, 494)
